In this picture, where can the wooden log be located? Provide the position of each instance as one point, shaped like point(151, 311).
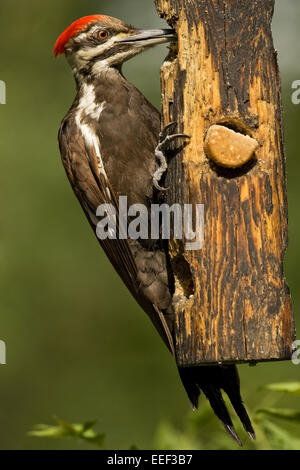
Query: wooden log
point(231, 300)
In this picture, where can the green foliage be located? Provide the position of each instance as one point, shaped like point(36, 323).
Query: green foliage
point(200, 432)
point(197, 431)
point(278, 436)
point(287, 387)
point(289, 415)
point(84, 432)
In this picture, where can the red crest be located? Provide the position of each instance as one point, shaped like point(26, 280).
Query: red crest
point(74, 29)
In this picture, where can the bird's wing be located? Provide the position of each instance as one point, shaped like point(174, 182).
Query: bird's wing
point(92, 189)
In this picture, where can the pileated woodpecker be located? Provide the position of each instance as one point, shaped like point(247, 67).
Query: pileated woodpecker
point(108, 141)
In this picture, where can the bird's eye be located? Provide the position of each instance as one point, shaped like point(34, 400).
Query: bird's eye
point(102, 34)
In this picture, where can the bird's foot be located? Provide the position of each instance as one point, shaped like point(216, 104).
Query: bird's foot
point(165, 137)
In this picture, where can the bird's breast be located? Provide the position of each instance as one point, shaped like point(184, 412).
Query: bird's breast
point(121, 128)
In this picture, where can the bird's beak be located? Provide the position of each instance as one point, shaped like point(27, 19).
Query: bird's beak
point(149, 37)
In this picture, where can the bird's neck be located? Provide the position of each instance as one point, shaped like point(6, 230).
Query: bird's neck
point(105, 83)
point(108, 89)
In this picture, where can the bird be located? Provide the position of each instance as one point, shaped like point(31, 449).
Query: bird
point(111, 145)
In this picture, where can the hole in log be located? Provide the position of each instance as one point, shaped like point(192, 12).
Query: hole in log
point(183, 275)
point(230, 148)
point(235, 125)
point(231, 173)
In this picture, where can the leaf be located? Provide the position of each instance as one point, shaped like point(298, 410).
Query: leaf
point(89, 425)
point(284, 387)
point(43, 430)
point(280, 439)
point(169, 438)
point(63, 428)
point(282, 413)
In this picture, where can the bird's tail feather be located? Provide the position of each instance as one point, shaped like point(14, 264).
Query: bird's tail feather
point(211, 380)
point(233, 392)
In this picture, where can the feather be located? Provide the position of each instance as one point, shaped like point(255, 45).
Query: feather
point(211, 380)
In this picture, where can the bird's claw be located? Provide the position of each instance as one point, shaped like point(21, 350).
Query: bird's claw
point(167, 134)
point(169, 138)
point(165, 137)
point(168, 129)
point(157, 186)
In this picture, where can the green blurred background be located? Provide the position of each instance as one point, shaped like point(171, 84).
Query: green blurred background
point(78, 346)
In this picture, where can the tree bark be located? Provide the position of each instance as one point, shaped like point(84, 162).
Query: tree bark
point(231, 300)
